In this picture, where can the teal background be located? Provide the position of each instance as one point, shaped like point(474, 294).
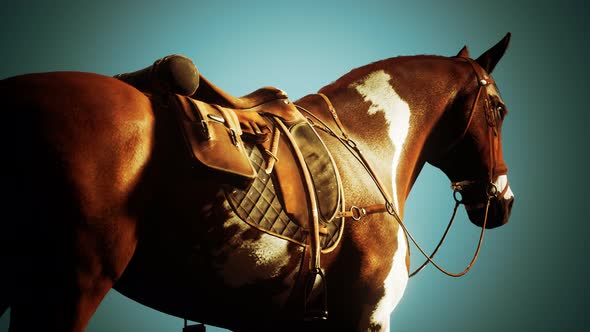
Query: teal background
point(532, 274)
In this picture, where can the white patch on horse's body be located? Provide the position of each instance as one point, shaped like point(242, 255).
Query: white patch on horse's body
point(377, 90)
point(501, 184)
point(395, 284)
point(248, 261)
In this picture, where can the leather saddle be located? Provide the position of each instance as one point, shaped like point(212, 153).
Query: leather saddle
point(278, 176)
point(296, 193)
point(276, 184)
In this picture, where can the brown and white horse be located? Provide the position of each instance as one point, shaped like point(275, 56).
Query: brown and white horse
point(100, 195)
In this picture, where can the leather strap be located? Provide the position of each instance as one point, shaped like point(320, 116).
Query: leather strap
point(334, 114)
point(388, 206)
point(272, 153)
point(356, 152)
point(357, 213)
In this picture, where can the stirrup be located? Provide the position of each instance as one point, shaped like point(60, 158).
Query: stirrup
point(315, 314)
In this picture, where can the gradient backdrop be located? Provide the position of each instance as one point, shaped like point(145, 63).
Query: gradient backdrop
point(532, 274)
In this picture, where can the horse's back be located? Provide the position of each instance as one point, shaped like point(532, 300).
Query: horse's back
point(74, 146)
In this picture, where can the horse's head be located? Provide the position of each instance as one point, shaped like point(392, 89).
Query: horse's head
point(473, 159)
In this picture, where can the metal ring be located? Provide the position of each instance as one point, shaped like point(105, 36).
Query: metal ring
point(356, 213)
point(492, 190)
point(390, 209)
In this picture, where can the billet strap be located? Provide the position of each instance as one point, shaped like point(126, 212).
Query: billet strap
point(274, 149)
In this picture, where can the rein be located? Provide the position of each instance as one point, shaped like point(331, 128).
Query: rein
point(357, 213)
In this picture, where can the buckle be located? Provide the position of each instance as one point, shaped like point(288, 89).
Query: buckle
point(205, 129)
point(233, 136)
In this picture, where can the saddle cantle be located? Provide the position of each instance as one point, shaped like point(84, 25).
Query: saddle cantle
point(171, 74)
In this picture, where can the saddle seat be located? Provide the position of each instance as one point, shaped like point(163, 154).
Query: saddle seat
point(212, 94)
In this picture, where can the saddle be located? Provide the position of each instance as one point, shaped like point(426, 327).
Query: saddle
point(294, 191)
point(277, 174)
point(277, 183)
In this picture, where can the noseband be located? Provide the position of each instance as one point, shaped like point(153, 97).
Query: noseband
point(491, 191)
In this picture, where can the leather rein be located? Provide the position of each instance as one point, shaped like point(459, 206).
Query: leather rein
point(357, 213)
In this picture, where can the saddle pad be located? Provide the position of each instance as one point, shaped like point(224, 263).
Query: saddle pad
point(260, 206)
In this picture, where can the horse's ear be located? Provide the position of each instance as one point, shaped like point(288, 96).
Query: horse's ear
point(491, 57)
point(464, 52)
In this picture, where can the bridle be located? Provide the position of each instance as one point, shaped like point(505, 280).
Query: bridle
point(491, 191)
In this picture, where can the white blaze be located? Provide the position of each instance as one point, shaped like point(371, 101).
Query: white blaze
point(501, 183)
point(377, 90)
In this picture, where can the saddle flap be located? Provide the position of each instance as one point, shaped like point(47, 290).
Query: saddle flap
point(324, 175)
point(279, 203)
point(213, 138)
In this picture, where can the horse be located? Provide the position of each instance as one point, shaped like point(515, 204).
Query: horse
point(102, 196)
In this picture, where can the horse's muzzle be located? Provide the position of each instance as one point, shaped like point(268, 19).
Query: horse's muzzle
point(498, 213)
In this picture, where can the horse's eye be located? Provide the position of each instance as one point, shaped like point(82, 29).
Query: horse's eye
point(500, 112)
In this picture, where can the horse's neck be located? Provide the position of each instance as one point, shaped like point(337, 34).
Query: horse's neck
point(391, 119)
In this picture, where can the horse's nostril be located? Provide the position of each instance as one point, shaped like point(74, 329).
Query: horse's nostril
point(498, 214)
